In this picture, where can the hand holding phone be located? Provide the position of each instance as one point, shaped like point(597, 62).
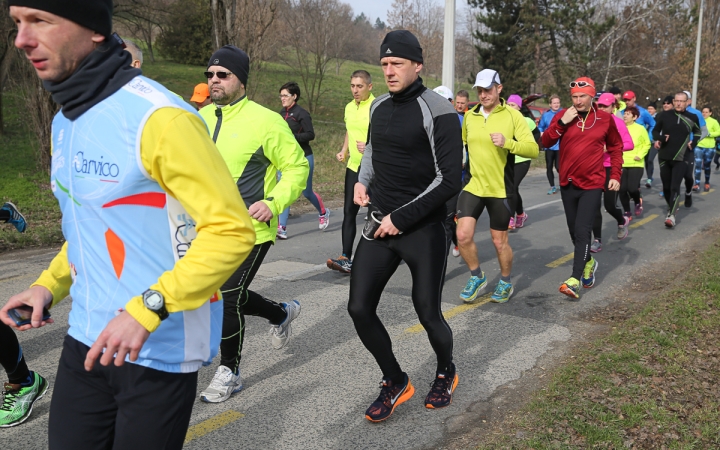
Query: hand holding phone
point(36, 299)
point(22, 315)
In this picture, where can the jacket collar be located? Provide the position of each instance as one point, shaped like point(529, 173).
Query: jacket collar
point(410, 93)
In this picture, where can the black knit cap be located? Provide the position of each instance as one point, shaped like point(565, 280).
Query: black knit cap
point(401, 44)
point(233, 59)
point(93, 14)
point(668, 99)
point(615, 90)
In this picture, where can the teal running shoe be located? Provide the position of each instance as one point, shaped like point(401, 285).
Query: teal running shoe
point(502, 293)
point(588, 275)
point(16, 218)
point(473, 288)
point(18, 400)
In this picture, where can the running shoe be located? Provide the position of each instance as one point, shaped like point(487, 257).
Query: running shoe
point(707, 187)
point(639, 207)
point(441, 390)
point(391, 395)
point(281, 232)
point(571, 288)
point(662, 194)
point(623, 229)
point(596, 246)
point(688, 199)
point(456, 251)
point(502, 293)
point(473, 288)
point(511, 226)
point(648, 183)
point(670, 221)
point(588, 275)
point(16, 219)
point(520, 220)
point(696, 188)
point(224, 384)
point(342, 264)
point(552, 191)
point(18, 400)
point(324, 220)
point(280, 334)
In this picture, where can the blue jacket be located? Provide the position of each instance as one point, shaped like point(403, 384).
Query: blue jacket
point(545, 120)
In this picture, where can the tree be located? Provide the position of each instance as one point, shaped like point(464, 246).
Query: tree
point(424, 18)
point(144, 19)
point(380, 25)
point(7, 53)
point(187, 40)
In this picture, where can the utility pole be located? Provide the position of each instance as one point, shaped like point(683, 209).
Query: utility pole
point(697, 55)
point(448, 63)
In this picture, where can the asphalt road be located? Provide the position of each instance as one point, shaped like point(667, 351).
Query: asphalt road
point(313, 393)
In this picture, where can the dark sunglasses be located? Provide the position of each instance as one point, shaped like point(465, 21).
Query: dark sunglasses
point(221, 75)
point(581, 84)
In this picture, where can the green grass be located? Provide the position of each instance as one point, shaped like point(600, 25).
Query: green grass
point(651, 383)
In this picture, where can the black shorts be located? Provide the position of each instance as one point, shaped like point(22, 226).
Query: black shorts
point(499, 210)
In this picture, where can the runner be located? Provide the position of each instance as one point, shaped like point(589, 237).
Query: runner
point(145, 250)
point(633, 162)
point(461, 102)
point(522, 164)
point(494, 134)
point(671, 135)
point(705, 150)
point(413, 163)
point(255, 144)
point(646, 120)
point(551, 154)
point(652, 108)
point(619, 103)
point(301, 126)
point(606, 102)
point(667, 105)
point(357, 120)
point(586, 135)
point(690, 155)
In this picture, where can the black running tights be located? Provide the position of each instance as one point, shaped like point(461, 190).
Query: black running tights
point(672, 174)
point(551, 160)
point(630, 186)
point(610, 203)
point(350, 211)
point(11, 356)
point(581, 206)
point(689, 174)
point(521, 169)
point(239, 301)
point(424, 250)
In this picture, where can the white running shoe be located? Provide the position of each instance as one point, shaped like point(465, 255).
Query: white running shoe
point(324, 220)
point(280, 334)
point(224, 384)
point(456, 251)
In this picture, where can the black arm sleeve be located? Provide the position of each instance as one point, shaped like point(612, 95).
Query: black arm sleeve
point(657, 129)
point(307, 132)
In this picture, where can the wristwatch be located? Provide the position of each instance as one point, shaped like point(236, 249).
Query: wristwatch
point(155, 302)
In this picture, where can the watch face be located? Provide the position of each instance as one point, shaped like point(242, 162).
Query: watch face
point(154, 301)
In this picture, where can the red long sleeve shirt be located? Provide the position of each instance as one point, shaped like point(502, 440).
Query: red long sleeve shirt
point(581, 151)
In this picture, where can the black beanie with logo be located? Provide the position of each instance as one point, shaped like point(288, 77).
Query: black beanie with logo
point(93, 14)
point(233, 59)
point(401, 44)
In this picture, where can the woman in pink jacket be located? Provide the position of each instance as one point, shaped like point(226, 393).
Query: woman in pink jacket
point(606, 103)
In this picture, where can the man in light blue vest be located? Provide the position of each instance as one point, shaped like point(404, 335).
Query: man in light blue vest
point(133, 168)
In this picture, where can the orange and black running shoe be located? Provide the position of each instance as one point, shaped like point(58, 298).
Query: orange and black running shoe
point(441, 390)
point(391, 395)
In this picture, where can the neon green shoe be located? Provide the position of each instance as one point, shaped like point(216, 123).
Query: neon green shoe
point(571, 288)
point(588, 275)
point(18, 400)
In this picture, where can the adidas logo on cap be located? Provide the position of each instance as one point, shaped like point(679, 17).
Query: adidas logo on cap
point(388, 51)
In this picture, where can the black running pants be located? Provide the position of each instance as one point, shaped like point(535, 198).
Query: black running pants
point(610, 203)
point(126, 407)
point(689, 174)
point(672, 174)
point(350, 211)
point(424, 250)
point(650, 161)
point(11, 356)
point(630, 186)
point(581, 207)
point(521, 169)
point(239, 301)
point(551, 160)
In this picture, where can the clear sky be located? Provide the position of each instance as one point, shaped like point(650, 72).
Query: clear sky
point(379, 8)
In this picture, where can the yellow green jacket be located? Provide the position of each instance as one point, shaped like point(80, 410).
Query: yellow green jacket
point(256, 143)
point(642, 143)
point(490, 166)
point(357, 122)
point(713, 128)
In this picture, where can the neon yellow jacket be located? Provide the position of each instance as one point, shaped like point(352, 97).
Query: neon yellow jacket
point(256, 143)
point(641, 141)
point(713, 128)
point(357, 122)
point(176, 152)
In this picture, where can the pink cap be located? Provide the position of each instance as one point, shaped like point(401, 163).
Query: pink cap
point(606, 99)
point(514, 98)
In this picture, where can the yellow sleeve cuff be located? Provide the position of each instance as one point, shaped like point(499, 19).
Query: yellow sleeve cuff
point(148, 319)
point(57, 290)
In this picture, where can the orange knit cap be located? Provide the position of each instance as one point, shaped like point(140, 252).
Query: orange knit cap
point(584, 85)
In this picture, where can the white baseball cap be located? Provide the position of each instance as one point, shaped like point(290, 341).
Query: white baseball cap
point(689, 95)
point(444, 91)
point(485, 78)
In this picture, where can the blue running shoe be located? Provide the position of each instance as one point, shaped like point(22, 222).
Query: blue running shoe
point(588, 275)
point(502, 293)
point(473, 288)
point(16, 219)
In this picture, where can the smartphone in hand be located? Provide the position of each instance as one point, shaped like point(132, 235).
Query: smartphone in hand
point(22, 315)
